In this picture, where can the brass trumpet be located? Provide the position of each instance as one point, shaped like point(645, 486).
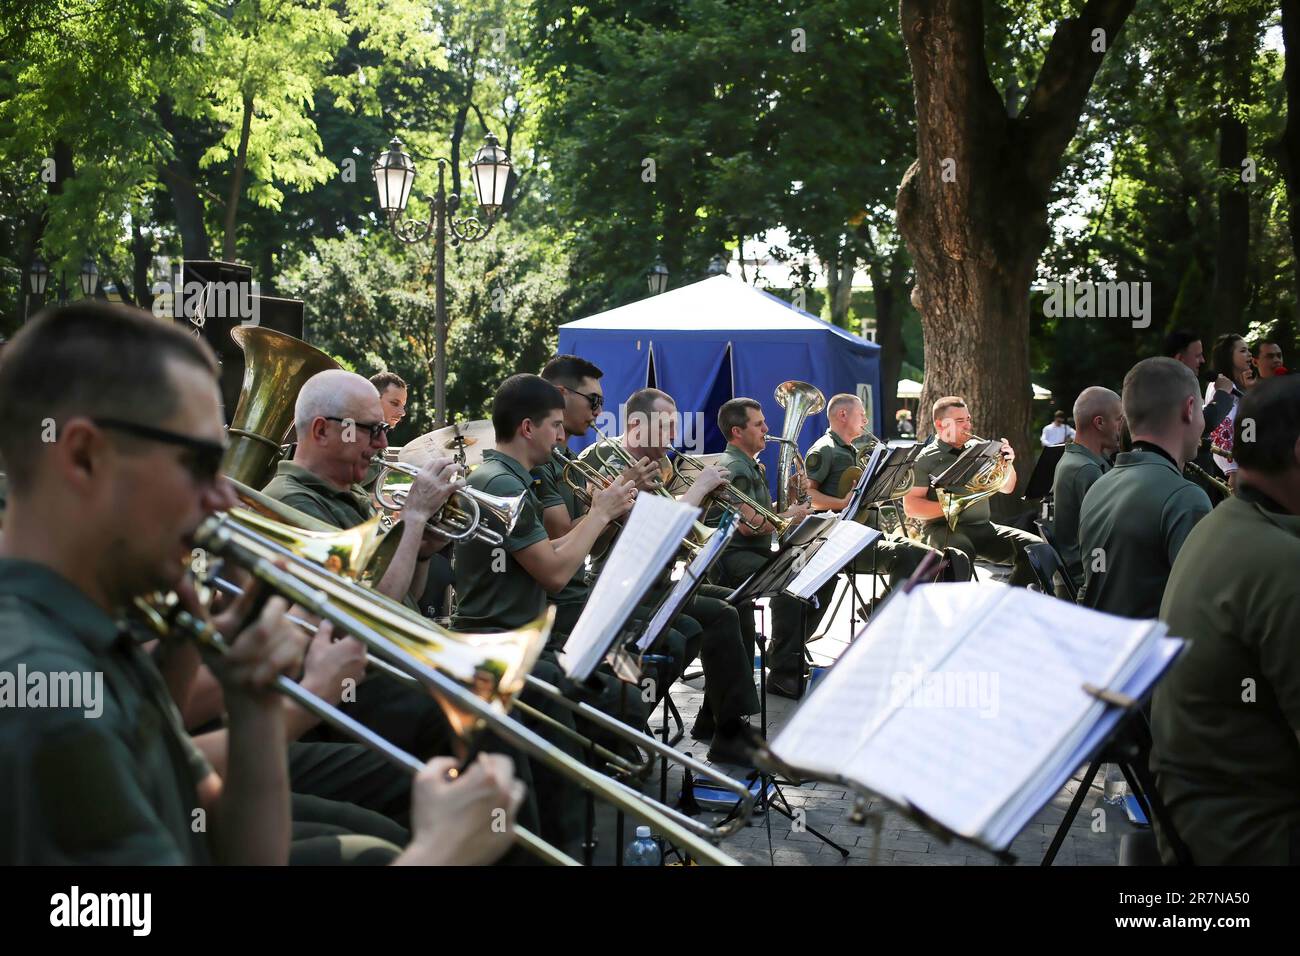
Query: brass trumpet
point(461, 517)
point(734, 500)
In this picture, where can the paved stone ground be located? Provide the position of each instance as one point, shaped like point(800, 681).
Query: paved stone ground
point(771, 839)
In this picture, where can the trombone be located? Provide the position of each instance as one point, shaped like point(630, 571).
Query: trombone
point(362, 614)
point(207, 636)
point(462, 516)
point(734, 500)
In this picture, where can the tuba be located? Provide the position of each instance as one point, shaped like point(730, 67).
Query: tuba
point(799, 399)
point(275, 368)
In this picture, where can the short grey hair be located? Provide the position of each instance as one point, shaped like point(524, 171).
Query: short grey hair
point(329, 394)
point(1154, 391)
point(1093, 401)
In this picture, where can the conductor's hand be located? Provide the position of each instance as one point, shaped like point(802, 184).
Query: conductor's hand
point(465, 821)
point(431, 489)
point(644, 474)
point(614, 501)
point(272, 645)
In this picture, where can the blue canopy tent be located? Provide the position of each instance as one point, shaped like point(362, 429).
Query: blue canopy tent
point(719, 339)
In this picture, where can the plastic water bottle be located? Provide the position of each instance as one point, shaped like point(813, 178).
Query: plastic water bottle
point(643, 851)
point(1115, 788)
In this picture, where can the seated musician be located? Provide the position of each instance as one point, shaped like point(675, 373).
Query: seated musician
point(1226, 719)
point(725, 644)
point(976, 534)
point(392, 397)
point(1100, 419)
point(1135, 518)
point(741, 421)
point(99, 516)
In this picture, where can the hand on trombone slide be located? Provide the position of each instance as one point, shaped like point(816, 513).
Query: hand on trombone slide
point(464, 818)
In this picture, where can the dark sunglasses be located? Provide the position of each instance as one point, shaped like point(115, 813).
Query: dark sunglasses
point(374, 428)
point(203, 460)
point(594, 399)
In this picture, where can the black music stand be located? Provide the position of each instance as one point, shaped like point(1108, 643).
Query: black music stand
point(798, 545)
point(1041, 479)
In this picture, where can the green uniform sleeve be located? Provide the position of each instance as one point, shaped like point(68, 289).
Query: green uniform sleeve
point(548, 488)
point(310, 505)
point(1278, 654)
point(818, 464)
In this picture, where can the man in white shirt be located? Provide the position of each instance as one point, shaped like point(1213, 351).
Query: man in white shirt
point(1058, 432)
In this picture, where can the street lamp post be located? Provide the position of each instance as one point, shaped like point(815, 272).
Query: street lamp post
point(89, 277)
point(656, 277)
point(38, 275)
point(394, 174)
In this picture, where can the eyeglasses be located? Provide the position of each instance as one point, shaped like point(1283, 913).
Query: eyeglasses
point(594, 399)
point(203, 460)
point(374, 428)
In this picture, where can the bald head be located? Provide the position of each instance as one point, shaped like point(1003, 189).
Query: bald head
point(334, 394)
point(1099, 417)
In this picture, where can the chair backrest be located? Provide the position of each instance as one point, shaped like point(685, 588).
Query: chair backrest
point(1046, 564)
point(1045, 532)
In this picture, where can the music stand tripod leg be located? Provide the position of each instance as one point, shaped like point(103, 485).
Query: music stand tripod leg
point(1079, 795)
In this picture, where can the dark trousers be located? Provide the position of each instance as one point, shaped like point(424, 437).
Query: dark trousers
point(725, 648)
point(331, 833)
point(993, 542)
point(353, 774)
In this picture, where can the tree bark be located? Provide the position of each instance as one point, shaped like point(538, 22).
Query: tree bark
point(1290, 154)
point(889, 294)
point(972, 208)
point(237, 182)
point(187, 203)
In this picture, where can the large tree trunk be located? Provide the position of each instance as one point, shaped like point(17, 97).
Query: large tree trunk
point(187, 204)
point(237, 182)
point(840, 267)
point(1290, 155)
point(973, 207)
point(1232, 245)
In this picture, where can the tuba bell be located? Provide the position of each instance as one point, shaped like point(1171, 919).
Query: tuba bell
point(799, 399)
point(275, 368)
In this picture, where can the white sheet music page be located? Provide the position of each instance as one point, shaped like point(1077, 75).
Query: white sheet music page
point(978, 729)
point(694, 572)
point(845, 541)
point(909, 637)
point(652, 533)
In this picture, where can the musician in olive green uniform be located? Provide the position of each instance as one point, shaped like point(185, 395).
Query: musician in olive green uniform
point(833, 454)
point(975, 534)
point(1225, 720)
point(725, 640)
point(1099, 417)
point(1136, 517)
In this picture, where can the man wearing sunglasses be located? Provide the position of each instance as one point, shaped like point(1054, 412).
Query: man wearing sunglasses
point(110, 428)
point(340, 425)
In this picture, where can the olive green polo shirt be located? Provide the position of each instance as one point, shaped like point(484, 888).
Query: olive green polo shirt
point(554, 492)
point(493, 588)
point(936, 458)
point(749, 478)
point(119, 788)
point(1133, 522)
point(1075, 473)
point(827, 460)
point(1224, 718)
point(311, 494)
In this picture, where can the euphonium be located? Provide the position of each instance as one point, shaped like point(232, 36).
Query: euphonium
point(799, 399)
point(276, 366)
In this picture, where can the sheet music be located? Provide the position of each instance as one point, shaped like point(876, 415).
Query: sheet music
point(965, 700)
point(979, 729)
point(652, 533)
point(694, 572)
point(910, 635)
point(842, 545)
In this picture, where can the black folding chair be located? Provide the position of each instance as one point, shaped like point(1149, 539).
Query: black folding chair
point(1046, 563)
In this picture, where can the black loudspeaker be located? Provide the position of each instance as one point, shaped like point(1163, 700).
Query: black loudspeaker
point(215, 297)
